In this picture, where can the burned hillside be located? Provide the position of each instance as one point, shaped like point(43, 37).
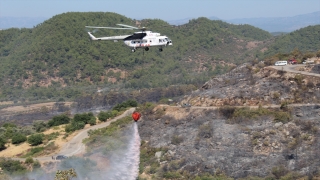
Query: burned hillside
point(237, 142)
point(254, 121)
point(249, 85)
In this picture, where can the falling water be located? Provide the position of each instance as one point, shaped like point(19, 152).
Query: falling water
point(126, 166)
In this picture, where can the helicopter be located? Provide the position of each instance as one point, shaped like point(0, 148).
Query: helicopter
point(144, 39)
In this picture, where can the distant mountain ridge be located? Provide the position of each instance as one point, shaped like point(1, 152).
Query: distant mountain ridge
point(281, 24)
point(276, 24)
point(20, 22)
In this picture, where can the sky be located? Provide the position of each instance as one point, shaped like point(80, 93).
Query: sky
point(162, 9)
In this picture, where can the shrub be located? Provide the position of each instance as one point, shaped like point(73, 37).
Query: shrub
point(35, 139)
point(176, 139)
point(2, 144)
point(52, 136)
point(58, 120)
point(227, 111)
point(298, 78)
point(74, 126)
point(310, 84)
point(34, 151)
point(124, 105)
point(18, 138)
point(282, 117)
point(11, 166)
point(7, 125)
point(92, 121)
point(172, 175)
point(85, 117)
point(284, 106)
point(36, 164)
point(205, 131)
point(29, 160)
point(104, 116)
point(40, 126)
point(279, 171)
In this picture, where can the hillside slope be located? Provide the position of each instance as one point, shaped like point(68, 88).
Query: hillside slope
point(57, 59)
point(58, 53)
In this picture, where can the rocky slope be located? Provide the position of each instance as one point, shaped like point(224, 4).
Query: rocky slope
point(201, 140)
point(252, 85)
point(218, 135)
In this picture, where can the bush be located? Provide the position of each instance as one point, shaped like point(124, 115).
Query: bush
point(205, 131)
point(282, 117)
point(36, 164)
point(11, 166)
point(227, 111)
point(58, 120)
point(29, 160)
point(124, 105)
point(172, 175)
point(279, 171)
point(92, 121)
point(85, 117)
point(18, 138)
point(35, 139)
point(104, 116)
point(34, 151)
point(40, 126)
point(2, 144)
point(176, 139)
point(7, 125)
point(52, 136)
point(74, 126)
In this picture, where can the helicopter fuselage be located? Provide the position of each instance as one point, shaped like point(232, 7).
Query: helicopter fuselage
point(150, 39)
point(144, 39)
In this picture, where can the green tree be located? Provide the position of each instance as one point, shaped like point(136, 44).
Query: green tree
point(35, 139)
point(18, 138)
point(58, 120)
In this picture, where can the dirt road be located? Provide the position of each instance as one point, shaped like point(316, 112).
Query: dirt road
point(294, 69)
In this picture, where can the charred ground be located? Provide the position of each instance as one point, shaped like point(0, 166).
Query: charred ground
point(252, 122)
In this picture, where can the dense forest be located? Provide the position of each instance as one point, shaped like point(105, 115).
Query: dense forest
point(56, 58)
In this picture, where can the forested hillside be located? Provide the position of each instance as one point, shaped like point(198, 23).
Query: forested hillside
point(56, 58)
point(305, 39)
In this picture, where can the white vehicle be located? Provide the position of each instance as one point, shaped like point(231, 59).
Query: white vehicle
point(143, 39)
point(281, 63)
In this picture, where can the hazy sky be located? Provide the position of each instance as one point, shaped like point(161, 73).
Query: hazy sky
point(162, 9)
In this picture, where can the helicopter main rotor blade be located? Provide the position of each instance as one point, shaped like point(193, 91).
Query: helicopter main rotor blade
point(124, 25)
point(97, 27)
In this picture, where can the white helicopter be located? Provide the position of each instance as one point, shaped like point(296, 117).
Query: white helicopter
point(143, 39)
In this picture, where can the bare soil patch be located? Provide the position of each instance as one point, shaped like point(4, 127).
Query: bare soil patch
point(32, 107)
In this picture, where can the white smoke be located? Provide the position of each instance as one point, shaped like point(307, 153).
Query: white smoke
point(121, 164)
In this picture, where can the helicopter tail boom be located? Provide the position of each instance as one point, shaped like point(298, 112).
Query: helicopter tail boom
point(92, 37)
